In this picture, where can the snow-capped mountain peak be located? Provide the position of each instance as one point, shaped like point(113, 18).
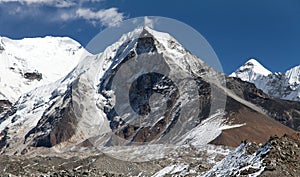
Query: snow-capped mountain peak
point(251, 70)
point(257, 67)
point(281, 85)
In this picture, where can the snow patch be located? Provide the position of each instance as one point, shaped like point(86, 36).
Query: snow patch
point(238, 161)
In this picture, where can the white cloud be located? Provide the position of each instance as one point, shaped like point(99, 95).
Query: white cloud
point(148, 22)
point(107, 17)
point(55, 3)
point(66, 10)
point(65, 16)
point(96, 0)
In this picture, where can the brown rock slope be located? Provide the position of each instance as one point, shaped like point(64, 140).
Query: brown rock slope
point(258, 128)
point(284, 111)
point(277, 117)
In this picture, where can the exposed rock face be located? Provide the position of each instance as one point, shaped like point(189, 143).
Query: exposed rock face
point(284, 157)
point(1, 48)
point(157, 86)
point(61, 125)
point(284, 111)
point(4, 106)
point(3, 138)
point(259, 126)
point(139, 95)
point(145, 43)
point(33, 76)
point(57, 125)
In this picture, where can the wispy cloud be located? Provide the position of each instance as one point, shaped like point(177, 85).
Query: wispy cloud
point(54, 3)
point(148, 22)
point(107, 17)
point(65, 10)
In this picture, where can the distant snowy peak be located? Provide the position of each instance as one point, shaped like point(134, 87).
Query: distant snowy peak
point(257, 67)
point(251, 70)
point(281, 85)
point(293, 75)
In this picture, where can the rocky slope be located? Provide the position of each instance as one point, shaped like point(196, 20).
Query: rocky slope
point(284, 111)
point(100, 164)
point(277, 157)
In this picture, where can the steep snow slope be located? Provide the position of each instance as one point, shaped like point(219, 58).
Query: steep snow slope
point(31, 62)
point(281, 85)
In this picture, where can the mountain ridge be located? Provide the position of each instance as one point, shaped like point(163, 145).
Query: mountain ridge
point(280, 85)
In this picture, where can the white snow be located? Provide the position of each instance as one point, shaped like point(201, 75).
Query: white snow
point(238, 160)
point(293, 75)
point(53, 57)
point(171, 170)
point(251, 70)
point(282, 85)
point(207, 130)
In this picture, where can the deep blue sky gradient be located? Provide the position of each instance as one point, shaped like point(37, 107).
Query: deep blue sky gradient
point(268, 30)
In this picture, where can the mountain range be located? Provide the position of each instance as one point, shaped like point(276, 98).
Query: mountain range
point(280, 85)
point(143, 94)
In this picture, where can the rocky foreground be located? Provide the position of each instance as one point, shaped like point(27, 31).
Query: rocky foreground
point(284, 157)
point(277, 157)
point(103, 165)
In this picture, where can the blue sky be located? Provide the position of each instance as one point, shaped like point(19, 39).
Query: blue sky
point(268, 30)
